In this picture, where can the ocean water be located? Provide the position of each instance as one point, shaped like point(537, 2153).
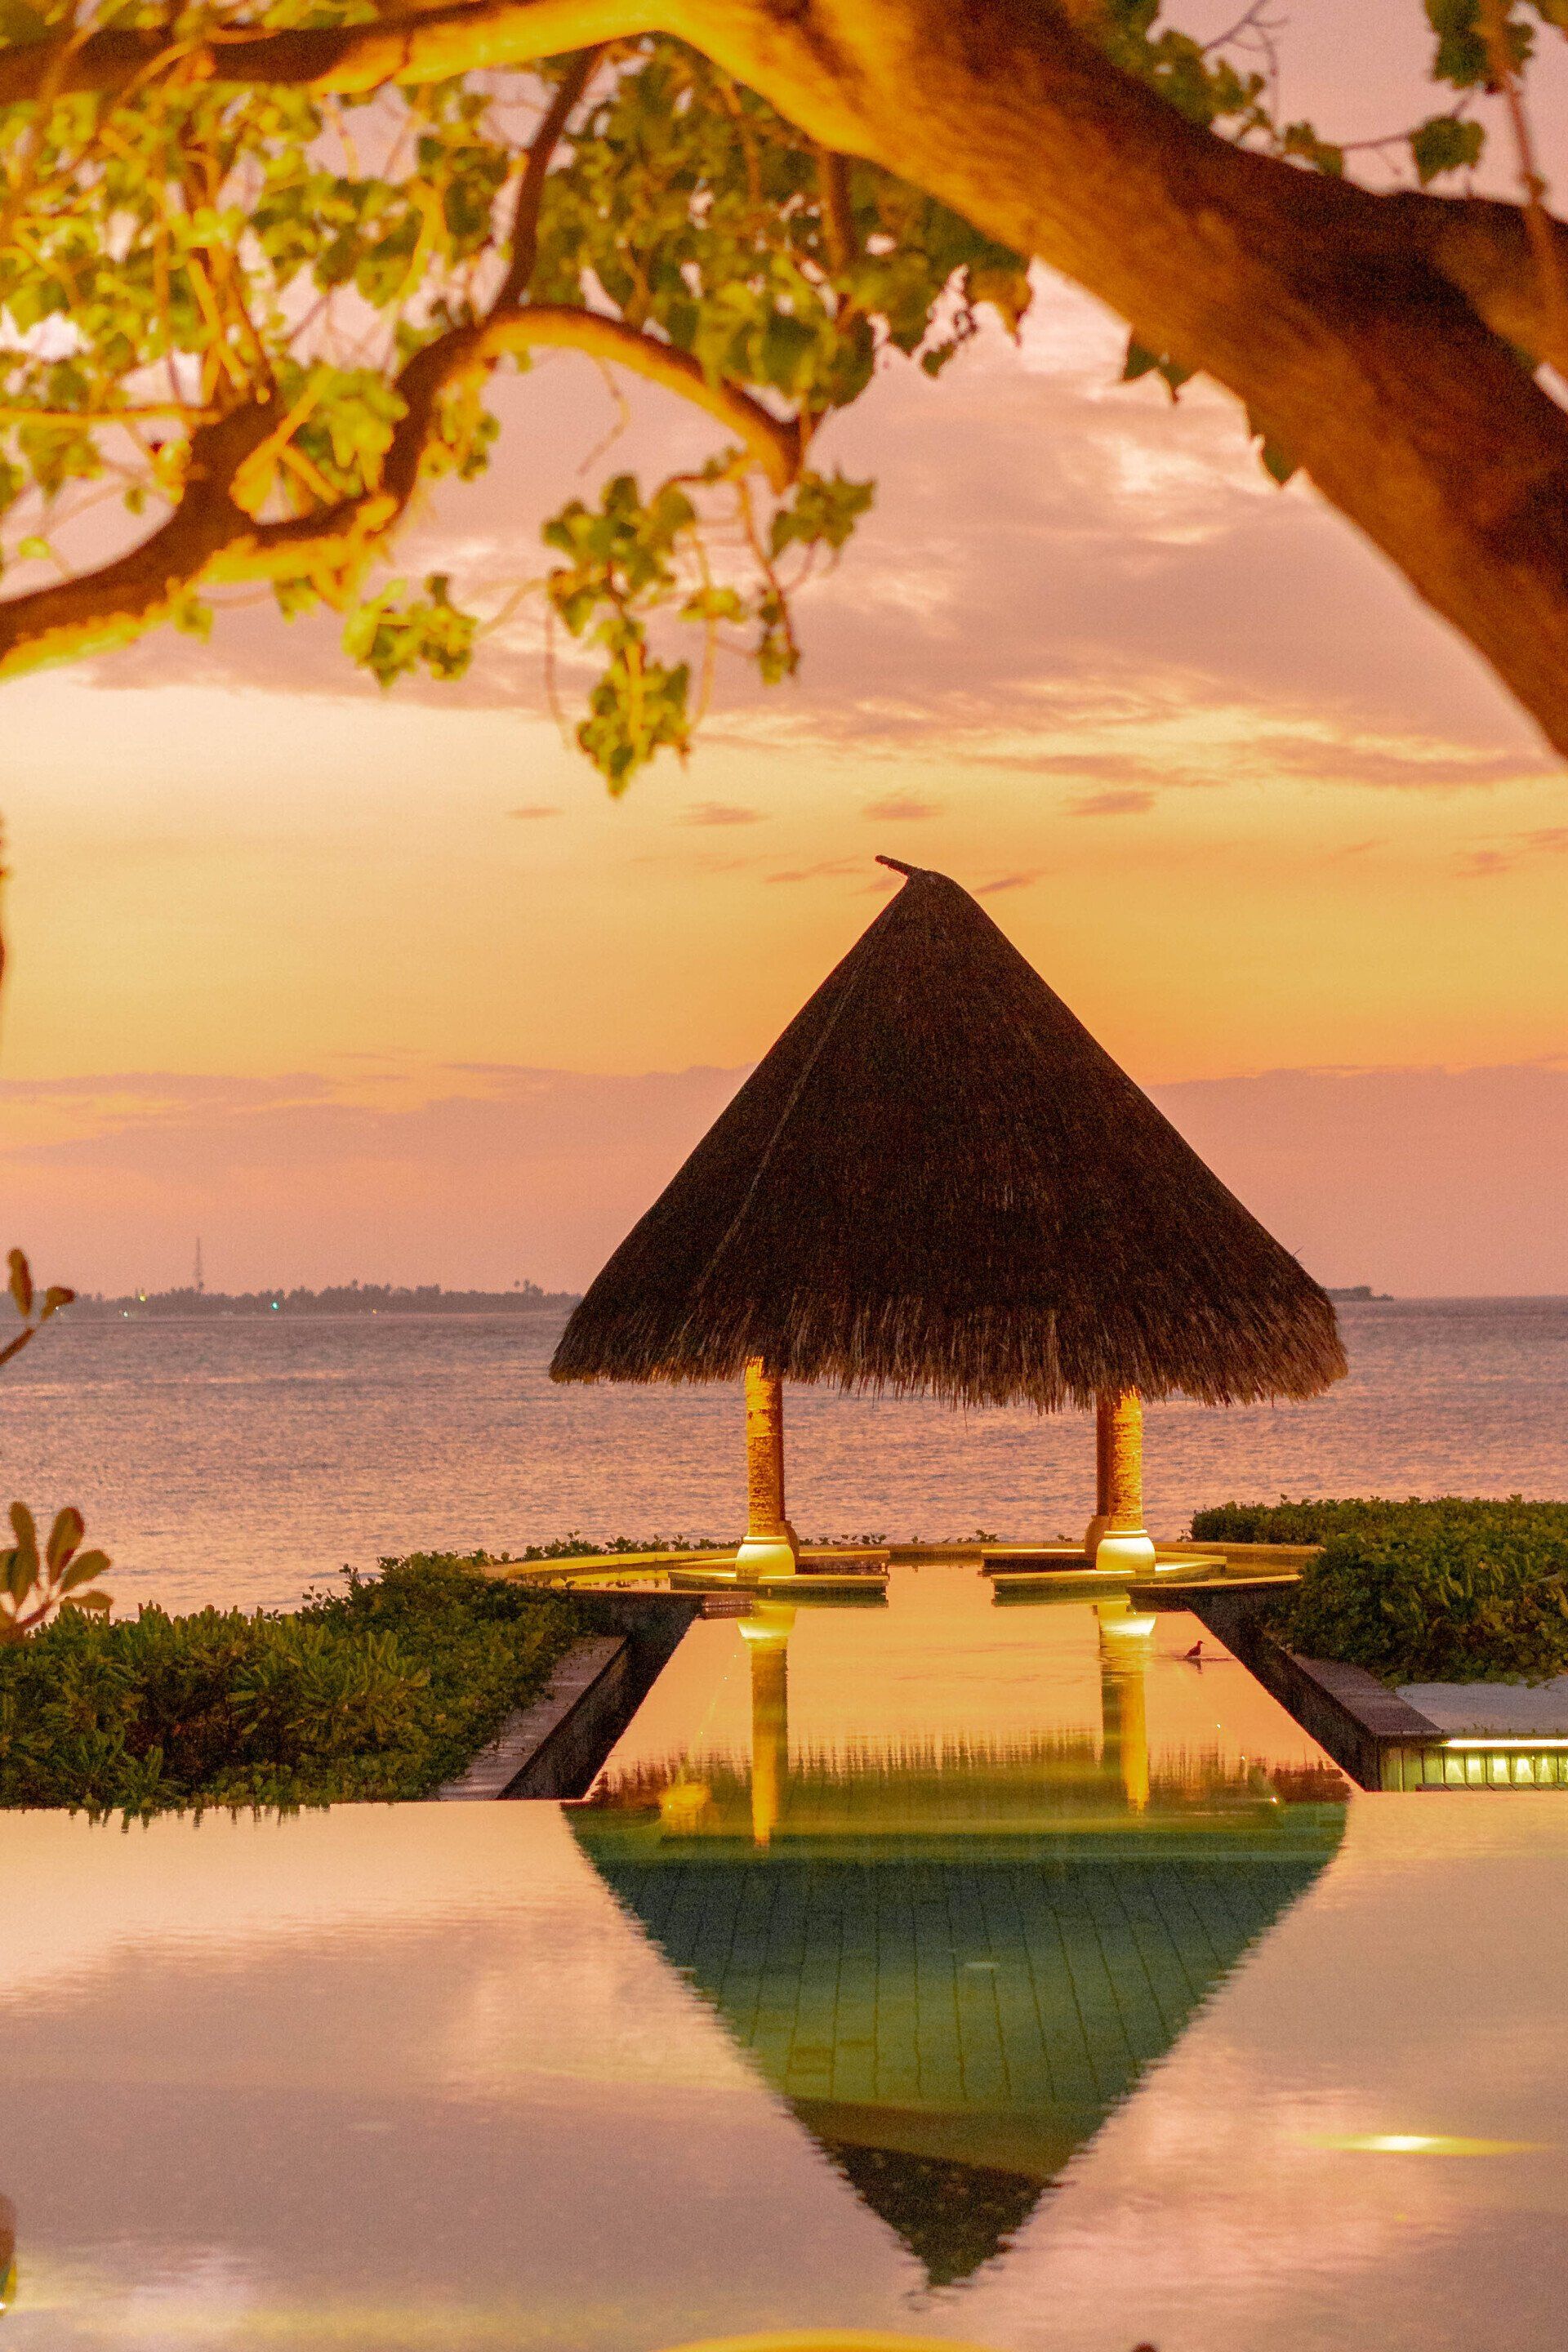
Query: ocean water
point(242, 1462)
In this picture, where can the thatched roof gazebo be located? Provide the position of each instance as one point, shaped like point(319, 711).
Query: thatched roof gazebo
point(938, 1181)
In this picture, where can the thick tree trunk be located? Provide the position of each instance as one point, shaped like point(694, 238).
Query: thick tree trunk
point(1331, 312)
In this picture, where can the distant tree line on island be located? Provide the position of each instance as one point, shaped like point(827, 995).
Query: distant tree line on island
point(338, 1298)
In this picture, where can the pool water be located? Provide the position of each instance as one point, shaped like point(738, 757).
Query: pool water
point(952, 1966)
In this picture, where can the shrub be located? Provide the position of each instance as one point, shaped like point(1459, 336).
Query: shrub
point(379, 1692)
point(1307, 1522)
point(1464, 1593)
point(580, 1547)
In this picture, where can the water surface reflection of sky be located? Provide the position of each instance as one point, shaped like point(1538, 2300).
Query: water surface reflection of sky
point(423, 2079)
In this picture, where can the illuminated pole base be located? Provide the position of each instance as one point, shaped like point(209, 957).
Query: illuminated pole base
point(1125, 1551)
point(769, 1556)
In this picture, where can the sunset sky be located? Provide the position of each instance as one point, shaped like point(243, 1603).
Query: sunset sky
point(387, 986)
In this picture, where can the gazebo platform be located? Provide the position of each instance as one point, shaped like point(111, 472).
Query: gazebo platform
point(859, 1572)
point(808, 1582)
point(1069, 1565)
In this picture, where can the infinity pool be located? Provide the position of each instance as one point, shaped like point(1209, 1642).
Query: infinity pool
point(954, 1966)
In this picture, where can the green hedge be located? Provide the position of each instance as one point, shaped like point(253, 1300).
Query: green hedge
point(1480, 1595)
point(380, 1692)
point(1307, 1522)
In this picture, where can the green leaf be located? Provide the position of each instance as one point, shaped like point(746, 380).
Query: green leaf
point(1275, 459)
point(1142, 361)
point(83, 1569)
point(64, 1538)
point(1445, 145)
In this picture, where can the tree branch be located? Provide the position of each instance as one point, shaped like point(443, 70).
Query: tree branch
point(418, 45)
point(210, 541)
point(530, 191)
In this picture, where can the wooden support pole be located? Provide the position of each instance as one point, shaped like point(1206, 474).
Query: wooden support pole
point(1120, 1429)
point(770, 1547)
point(1116, 1536)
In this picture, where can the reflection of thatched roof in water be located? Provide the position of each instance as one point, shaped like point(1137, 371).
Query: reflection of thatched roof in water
point(952, 2030)
point(937, 1180)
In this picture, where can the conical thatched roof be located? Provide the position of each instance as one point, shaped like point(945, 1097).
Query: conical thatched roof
point(937, 1181)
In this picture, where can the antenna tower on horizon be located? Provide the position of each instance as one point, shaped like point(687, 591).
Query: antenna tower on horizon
point(200, 1285)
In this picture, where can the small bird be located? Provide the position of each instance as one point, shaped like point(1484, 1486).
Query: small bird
point(1194, 1656)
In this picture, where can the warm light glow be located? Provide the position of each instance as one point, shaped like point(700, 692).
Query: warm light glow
point(1552, 1741)
point(1419, 2144)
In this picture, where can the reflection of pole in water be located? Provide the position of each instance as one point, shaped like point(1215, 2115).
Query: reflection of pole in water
point(766, 1634)
point(1123, 1656)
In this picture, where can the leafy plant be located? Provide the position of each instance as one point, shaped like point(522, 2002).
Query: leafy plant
point(33, 1310)
point(573, 1546)
point(1435, 1600)
point(1308, 1521)
point(376, 1693)
point(35, 1583)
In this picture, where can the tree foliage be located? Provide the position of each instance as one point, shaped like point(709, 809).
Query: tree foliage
point(260, 260)
point(295, 302)
point(1437, 1598)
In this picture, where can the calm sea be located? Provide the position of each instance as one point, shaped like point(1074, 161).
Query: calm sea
point(241, 1462)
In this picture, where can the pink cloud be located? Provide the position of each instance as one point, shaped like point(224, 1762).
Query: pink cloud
point(1415, 1181)
point(719, 812)
point(828, 866)
point(1122, 804)
point(1513, 849)
point(900, 808)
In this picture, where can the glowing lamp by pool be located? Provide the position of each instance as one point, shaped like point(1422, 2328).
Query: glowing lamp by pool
point(936, 1183)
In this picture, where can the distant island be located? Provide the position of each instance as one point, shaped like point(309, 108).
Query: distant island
point(1363, 1290)
point(339, 1299)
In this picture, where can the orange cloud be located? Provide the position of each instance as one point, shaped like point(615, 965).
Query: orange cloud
point(721, 812)
point(900, 808)
point(1122, 804)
